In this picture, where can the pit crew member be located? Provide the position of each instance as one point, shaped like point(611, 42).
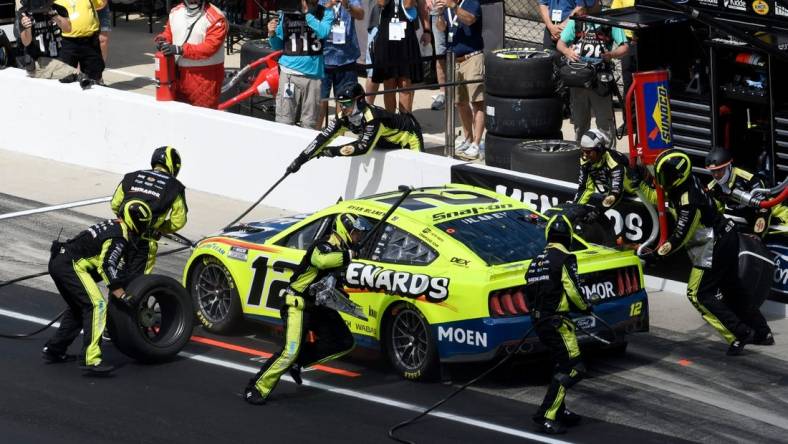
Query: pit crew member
point(163, 193)
point(552, 291)
point(376, 127)
point(76, 265)
point(300, 314)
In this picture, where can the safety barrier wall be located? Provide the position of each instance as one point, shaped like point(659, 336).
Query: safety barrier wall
point(225, 154)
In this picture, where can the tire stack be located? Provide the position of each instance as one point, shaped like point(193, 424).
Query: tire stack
point(520, 100)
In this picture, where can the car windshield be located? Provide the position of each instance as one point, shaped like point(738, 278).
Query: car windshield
point(501, 237)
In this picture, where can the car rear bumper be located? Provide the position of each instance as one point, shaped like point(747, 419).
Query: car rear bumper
point(483, 339)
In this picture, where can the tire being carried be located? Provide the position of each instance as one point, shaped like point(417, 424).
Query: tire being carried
point(156, 324)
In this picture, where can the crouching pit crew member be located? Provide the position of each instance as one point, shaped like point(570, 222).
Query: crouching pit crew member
point(163, 193)
point(605, 176)
point(552, 290)
point(729, 179)
point(299, 313)
point(712, 245)
point(75, 266)
point(376, 128)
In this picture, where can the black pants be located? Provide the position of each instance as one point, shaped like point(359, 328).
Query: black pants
point(87, 309)
point(84, 52)
point(558, 335)
point(547, 40)
point(715, 293)
point(333, 339)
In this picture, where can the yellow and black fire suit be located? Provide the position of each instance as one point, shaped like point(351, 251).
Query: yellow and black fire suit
point(166, 197)
point(606, 177)
point(377, 128)
point(552, 290)
point(712, 244)
point(300, 315)
point(75, 266)
point(748, 219)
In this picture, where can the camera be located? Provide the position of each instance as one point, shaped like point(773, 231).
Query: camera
point(289, 6)
point(36, 6)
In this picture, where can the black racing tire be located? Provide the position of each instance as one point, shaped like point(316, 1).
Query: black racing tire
point(156, 324)
point(215, 296)
point(554, 159)
point(525, 118)
point(519, 73)
point(410, 343)
point(498, 149)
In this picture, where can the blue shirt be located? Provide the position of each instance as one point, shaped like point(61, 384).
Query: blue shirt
point(310, 66)
point(339, 55)
point(565, 6)
point(467, 39)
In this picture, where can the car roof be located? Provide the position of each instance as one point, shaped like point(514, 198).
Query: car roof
point(431, 205)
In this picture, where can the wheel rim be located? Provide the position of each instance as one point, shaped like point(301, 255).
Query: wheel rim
point(409, 339)
point(521, 53)
point(550, 146)
point(214, 294)
point(160, 318)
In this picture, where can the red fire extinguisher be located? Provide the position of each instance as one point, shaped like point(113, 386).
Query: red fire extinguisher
point(165, 77)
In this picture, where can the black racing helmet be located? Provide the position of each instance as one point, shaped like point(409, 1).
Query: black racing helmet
point(345, 224)
point(672, 168)
point(168, 157)
point(137, 216)
point(559, 230)
point(718, 157)
point(350, 94)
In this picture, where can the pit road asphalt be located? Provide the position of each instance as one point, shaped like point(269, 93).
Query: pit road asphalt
point(673, 385)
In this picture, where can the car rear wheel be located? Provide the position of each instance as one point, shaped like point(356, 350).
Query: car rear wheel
point(215, 296)
point(410, 343)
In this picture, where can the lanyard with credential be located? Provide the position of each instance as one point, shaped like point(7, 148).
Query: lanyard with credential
point(453, 21)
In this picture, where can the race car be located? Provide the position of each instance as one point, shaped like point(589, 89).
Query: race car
point(442, 279)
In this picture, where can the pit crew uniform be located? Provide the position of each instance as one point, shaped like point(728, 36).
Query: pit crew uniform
point(300, 315)
point(552, 291)
point(748, 219)
point(712, 244)
point(201, 65)
point(377, 129)
point(606, 177)
point(75, 266)
point(166, 197)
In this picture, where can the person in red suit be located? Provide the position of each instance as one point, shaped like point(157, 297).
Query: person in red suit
point(194, 35)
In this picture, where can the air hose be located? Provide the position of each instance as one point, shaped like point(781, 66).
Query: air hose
point(503, 360)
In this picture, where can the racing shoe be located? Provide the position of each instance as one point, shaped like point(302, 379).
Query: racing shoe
point(295, 373)
point(737, 346)
point(570, 418)
point(253, 396)
point(56, 358)
point(552, 427)
point(767, 339)
point(100, 369)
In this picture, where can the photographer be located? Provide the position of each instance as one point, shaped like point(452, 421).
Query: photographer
point(592, 44)
point(39, 26)
point(301, 34)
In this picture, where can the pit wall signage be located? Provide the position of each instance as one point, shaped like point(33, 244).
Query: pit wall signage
point(631, 218)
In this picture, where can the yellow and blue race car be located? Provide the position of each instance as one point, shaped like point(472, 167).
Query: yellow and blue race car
point(441, 280)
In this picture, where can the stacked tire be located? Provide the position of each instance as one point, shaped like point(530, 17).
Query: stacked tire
point(521, 103)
